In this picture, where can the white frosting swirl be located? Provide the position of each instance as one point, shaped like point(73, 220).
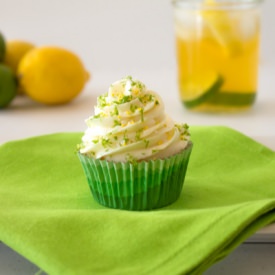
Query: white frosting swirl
point(130, 124)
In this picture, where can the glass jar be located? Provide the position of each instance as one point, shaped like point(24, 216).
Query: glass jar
point(217, 45)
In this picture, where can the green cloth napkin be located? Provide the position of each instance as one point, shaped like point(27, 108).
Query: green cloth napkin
point(48, 215)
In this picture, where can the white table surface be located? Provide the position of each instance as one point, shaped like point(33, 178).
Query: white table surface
point(115, 38)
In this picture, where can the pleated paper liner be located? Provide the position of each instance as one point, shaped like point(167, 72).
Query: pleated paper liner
point(137, 186)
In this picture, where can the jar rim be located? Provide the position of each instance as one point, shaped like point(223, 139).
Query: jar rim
point(219, 4)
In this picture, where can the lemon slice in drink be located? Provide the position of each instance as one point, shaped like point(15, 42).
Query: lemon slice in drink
point(222, 27)
point(199, 88)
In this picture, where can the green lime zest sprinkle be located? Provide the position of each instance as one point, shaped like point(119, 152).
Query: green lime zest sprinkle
point(125, 138)
point(117, 123)
point(133, 108)
point(146, 98)
point(97, 116)
point(90, 154)
point(101, 100)
point(146, 141)
point(124, 99)
point(131, 159)
point(138, 134)
point(137, 84)
point(116, 110)
point(183, 129)
point(105, 142)
point(79, 147)
point(142, 114)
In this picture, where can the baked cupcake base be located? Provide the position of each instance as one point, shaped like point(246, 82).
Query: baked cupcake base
point(137, 186)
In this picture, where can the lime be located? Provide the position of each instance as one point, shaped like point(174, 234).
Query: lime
point(227, 101)
point(52, 75)
point(2, 47)
point(233, 98)
point(8, 86)
point(198, 88)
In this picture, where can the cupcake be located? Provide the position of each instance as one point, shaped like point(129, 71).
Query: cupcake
point(133, 154)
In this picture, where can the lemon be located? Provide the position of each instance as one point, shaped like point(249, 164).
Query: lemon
point(8, 86)
point(52, 75)
point(199, 87)
point(222, 27)
point(15, 50)
point(2, 47)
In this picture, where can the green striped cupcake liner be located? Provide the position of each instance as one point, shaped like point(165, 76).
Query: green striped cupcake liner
point(137, 186)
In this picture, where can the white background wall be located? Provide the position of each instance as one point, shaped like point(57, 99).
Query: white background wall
point(118, 36)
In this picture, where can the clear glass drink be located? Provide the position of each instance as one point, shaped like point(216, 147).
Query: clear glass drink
point(217, 51)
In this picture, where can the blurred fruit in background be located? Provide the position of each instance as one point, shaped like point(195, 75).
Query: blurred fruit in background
point(2, 47)
point(52, 75)
point(15, 50)
point(49, 75)
point(8, 86)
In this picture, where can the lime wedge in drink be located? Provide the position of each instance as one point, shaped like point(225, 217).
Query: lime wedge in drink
point(198, 88)
point(226, 98)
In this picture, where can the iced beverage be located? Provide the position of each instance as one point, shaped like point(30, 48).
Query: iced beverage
point(217, 51)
